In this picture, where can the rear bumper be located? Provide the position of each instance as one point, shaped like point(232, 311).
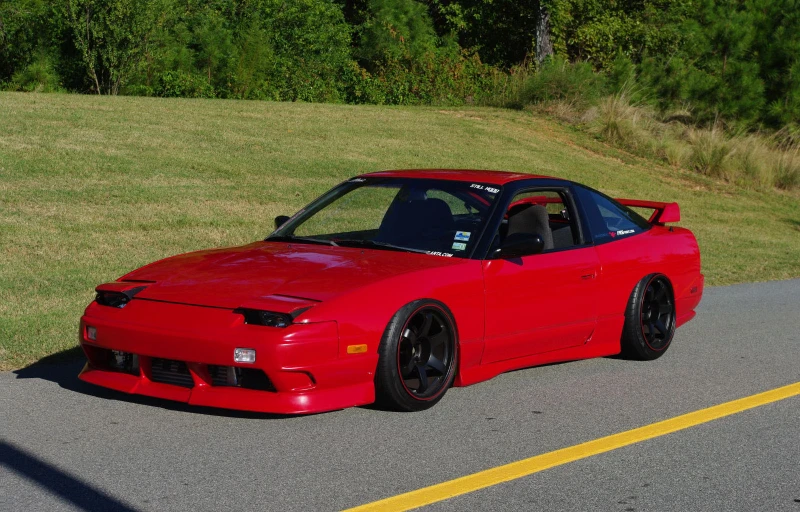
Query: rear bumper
point(306, 370)
point(688, 300)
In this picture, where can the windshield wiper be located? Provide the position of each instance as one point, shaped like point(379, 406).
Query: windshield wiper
point(300, 239)
point(378, 245)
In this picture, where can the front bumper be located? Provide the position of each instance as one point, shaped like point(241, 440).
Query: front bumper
point(182, 350)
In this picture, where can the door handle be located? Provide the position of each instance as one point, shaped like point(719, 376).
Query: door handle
point(588, 274)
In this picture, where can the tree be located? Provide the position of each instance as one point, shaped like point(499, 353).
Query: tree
point(597, 30)
point(503, 32)
point(396, 29)
point(29, 39)
point(111, 36)
point(776, 45)
point(716, 70)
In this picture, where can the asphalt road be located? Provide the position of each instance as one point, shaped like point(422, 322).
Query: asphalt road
point(65, 445)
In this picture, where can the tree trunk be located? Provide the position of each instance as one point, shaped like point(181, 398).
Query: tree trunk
point(544, 47)
point(96, 81)
point(88, 50)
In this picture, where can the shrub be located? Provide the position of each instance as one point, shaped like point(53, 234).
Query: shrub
point(504, 89)
point(616, 119)
point(787, 170)
point(675, 152)
point(311, 45)
point(710, 152)
point(558, 80)
point(752, 160)
point(436, 78)
point(177, 84)
point(38, 76)
point(396, 29)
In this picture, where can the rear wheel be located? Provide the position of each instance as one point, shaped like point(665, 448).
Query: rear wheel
point(649, 319)
point(417, 357)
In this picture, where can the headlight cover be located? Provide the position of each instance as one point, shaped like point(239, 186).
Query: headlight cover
point(268, 318)
point(116, 299)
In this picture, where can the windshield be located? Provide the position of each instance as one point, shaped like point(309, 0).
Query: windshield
point(439, 217)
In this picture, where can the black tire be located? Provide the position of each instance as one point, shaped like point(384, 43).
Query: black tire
point(417, 357)
point(649, 319)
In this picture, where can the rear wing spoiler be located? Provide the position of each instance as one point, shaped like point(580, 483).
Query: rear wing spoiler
point(662, 212)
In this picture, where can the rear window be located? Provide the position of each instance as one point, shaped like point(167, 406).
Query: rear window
point(609, 220)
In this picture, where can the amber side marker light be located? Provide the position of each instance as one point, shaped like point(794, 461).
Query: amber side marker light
point(356, 349)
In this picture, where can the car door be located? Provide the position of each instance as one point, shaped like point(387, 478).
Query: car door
point(541, 302)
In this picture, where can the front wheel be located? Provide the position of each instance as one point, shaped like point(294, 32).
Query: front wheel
point(649, 319)
point(417, 357)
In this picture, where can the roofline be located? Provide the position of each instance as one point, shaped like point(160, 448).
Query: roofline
point(485, 175)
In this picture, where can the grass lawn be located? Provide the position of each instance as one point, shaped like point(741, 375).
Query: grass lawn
point(92, 187)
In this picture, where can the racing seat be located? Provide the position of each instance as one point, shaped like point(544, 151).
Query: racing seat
point(533, 220)
point(416, 220)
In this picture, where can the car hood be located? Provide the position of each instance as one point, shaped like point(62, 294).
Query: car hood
point(235, 276)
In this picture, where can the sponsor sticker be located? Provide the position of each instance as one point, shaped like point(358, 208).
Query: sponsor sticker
point(462, 236)
point(437, 253)
point(625, 232)
point(459, 246)
point(491, 190)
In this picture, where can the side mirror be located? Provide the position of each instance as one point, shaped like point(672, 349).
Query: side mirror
point(519, 244)
point(280, 220)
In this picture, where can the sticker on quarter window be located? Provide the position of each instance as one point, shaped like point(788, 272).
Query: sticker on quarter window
point(459, 246)
point(625, 231)
point(462, 235)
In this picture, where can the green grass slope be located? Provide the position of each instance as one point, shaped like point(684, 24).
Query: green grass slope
point(91, 187)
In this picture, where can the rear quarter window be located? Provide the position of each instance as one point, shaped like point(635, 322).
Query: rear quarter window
point(608, 220)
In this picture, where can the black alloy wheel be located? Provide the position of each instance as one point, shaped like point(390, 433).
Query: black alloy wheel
point(417, 357)
point(658, 314)
point(649, 318)
point(424, 353)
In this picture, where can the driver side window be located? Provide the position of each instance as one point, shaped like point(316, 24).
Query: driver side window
point(544, 213)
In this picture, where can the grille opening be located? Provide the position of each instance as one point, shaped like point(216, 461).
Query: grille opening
point(248, 378)
point(169, 371)
point(124, 362)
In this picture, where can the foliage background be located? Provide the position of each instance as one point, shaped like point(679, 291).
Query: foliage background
point(735, 62)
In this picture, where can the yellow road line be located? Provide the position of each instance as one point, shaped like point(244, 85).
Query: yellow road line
point(525, 467)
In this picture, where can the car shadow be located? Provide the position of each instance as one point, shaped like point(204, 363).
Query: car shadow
point(83, 495)
point(63, 368)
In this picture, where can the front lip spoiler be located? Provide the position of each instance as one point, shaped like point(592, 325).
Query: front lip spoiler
point(241, 399)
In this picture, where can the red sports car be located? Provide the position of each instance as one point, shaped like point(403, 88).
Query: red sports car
point(394, 286)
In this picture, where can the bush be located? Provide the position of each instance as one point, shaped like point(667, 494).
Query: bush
point(505, 89)
point(177, 84)
point(396, 30)
point(752, 161)
point(787, 170)
point(311, 44)
point(710, 151)
point(38, 76)
point(436, 78)
point(616, 119)
point(558, 80)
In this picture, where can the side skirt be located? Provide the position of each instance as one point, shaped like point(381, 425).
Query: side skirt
point(604, 342)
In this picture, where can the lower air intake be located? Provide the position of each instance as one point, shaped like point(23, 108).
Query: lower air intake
point(248, 378)
point(169, 371)
point(124, 362)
